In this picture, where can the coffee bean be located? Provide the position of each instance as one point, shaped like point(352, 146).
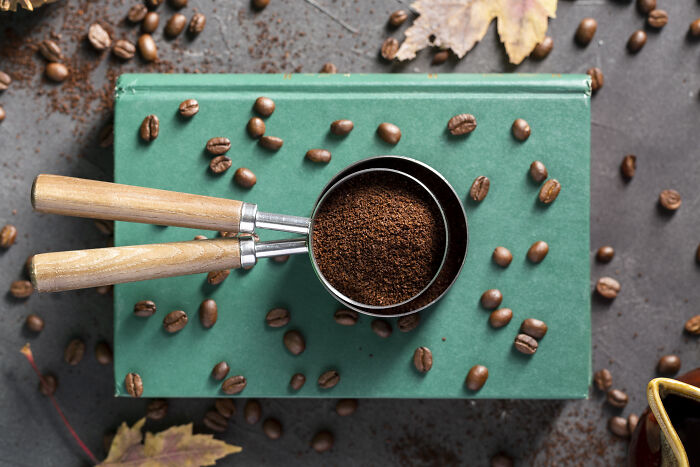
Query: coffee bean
point(329, 379)
point(8, 234)
point(501, 459)
point(157, 409)
point(692, 326)
point(137, 13)
point(175, 321)
point(234, 384)
point(208, 313)
point(188, 108)
point(103, 353)
point(342, 127)
point(56, 72)
point(34, 323)
point(389, 49)
point(500, 317)
point(520, 129)
point(272, 428)
point(245, 177)
point(220, 371)
point(534, 328)
point(124, 49)
point(133, 384)
point(617, 398)
point(628, 166)
point(537, 252)
point(48, 384)
point(256, 127)
point(346, 407)
point(657, 18)
point(597, 78)
point(252, 411)
point(215, 421)
point(147, 47)
point(260, 4)
point(607, 287)
point(272, 143)
point(294, 342)
point(603, 379)
point(99, 37)
point(389, 133)
point(476, 378)
point(200, 237)
point(645, 6)
point(636, 41)
point(319, 155)
point(668, 365)
point(197, 24)
point(605, 254)
point(543, 49)
point(423, 359)
point(226, 407)
point(217, 277)
point(346, 317)
point(440, 57)
point(586, 30)
point(632, 421)
point(220, 164)
point(277, 317)
point(329, 68)
point(525, 344)
point(50, 51)
point(264, 106)
point(670, 200)
point(491, 299)
point(150, 22)
point(153, 4)
point(619, 427)
point(381, 327)
point(218, 145)
point(175, 25)
point(297, 381)
point(694, 29)
point(2, 113)
point(480, 188)
point(409, 322)
point(144, 308)
point(322, 441)
point(549, 191)
point(5, 81)
point(462, 124)
point(502, 256)
point(150, 128)
point(21, 289)
point(398, 17)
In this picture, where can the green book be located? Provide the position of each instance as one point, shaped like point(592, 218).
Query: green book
point(456, 329)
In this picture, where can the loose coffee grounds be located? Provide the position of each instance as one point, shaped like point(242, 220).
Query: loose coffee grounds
point(379, 239)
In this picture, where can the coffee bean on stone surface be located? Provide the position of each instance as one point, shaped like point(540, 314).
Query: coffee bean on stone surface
point(188, 107)
point(2, 113)
point(398, 17)
point(133, 384)
point(346, 407)
point(256, 127)
point(692, 326)
point(632, 421)
point(617, 398)
point(491, 299)
point(157, 409)
point(137, 13)
point(390, 48)
point(597, 78)
point(103, 353)
point(5, 81)
point(502, 256)
point(297, 381)
point(389, 133)
point(521, 129)
point(525, 344)
point(549, 191)
point(74, 352)
point(423, 359)
point(346, 317)
point(329, 379)
point(124, 49)
point(150, 127)
point(277, 317)
point(500, 317)
point(260, 4)
point(636, 41)
point(694, 29)
point(603, 379)
point(476, 378)
point(50, 50)
point(538, 172)
point(220, 371)
point(342, 127)
point(252, 411)
point(150, 22)
point(294, 342)
point(440, 57)
point(218, 145)
point(628, 167)
point(56, 72)
point(619, 426)
point(668, 365)
point(215, 421)
point(34, 323)
point(220, 164)
point(175, 321)
point(217, 277)
point(147, 47)
point(245, 177)
point(501, 459)
point(175, 25)
point(144, 308)
point(319, 155)
point(409, 322)
point(21, 289)
point(381, 327)
point(225, 406)
point(264, 106)
point(462, 124)
point(607, 287)
point(657, 18)
point(234, 384)
point(605, 254)
point(534, 328)
point(645, 6)
point(273, 143)
point(670, 200)
point(99, 37)
point(329, 68)
point(586, 30)
point(153, 4)
point(48, 384)
point(543, 49)
point(322, 441)
point(537, 252)
point(197, 24)
point(272, 428)
point(8, 234)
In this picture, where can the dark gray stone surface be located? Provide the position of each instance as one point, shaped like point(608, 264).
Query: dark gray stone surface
point(648, 107)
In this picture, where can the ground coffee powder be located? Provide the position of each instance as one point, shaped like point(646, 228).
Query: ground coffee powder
point(379, 239)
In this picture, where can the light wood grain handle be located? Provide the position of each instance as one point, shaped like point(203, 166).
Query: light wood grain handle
point(78, 197)
point(68, 270)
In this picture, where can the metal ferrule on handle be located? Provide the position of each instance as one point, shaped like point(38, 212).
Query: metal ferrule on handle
point(252, 219)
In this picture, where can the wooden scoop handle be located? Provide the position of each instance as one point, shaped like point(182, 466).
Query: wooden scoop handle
point(79, 269)
point(103, 200)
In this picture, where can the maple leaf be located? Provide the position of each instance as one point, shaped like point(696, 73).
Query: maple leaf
point(176, 446)
point(460, 24)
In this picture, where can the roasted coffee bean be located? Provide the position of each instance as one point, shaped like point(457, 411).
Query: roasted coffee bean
point(480, 188)
point(5, 81)
point(440, 57)
point(632, 421)
point(520, 129)
point(277, 317)
point(2, 114)
point(502, 256)
point(619, 427)
point(220, 164)
point(208, 313)
point(322, 441)
point(175, 321)
point(423, 359)
point(144, 308)
point(99, 37)
point(657, 18)
point(294, 342)
point(272, 428)
point(245, 177)
point(147, 47)
point(617, 398)
point(218, 145)
point(534, 328)
point(103, 353)
point(319, 155)
point(645, 6)
point(597, 78)
point(525, 344)
point(217, 277)
point(501, 459)
point(462, 124)
point(389, 133)
point(260, 4)
point(220, 371)
point(346, 317)
point(273, 143)
point(34, 323)
point(226, 407)
point(476, 378)
point(346, 407)
point(150, 128)
point(586, 30)
point(8, 234)
point(342, 127)
point(153, 4)
point(409, 322)
point(628, 166)
point(605, 254)
point(48, 384)
point(670, 200)
point(56, 72)
point(668, 365)
point(500, 317)
point(188, 108)
point(491, 299)
point(50, 51)
point(329, 379)
point(398, 17)
point(692, 326)
point(256, 127)
point(252, 412)
point(200, 237)
point(124, 49)
point(175, 25)
point(297, 381)
point(381, 327)
point(133, 384)
point(215, 421)
point(537, 252)
point(157, 409)
point(390, 48)
point(178, 4)
point(636, 41)
point(694, 29)
point(21, 289)
point(607, 287)
point(329, 68)
point(234, 384)
point(137, 13)
point(150, 22)
point(264, 106)
point(549, 191)
point(543, 49)
point(197, 24)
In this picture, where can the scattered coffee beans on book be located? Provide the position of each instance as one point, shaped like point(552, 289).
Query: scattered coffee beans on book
point(381, 327)
point(319, 155)
point(264, 106)
point(245, 177)
point(294, 342)
point(234, 384)
point(272, 143)
point(476, 378)
point(537, 252)
point(220, 371)
point(538, 172)
point(423, 359)
point(175, 321)
point(297, 382)
point(277, 317)
point(208, 313)
point(408, 323)
point(502, 256)
point(389, 133)
point(480, 188)
point(534, 328)
point(329, 379)
point(256, 127)
point(525, 344)
point(144, 308)
point(549, 191)
point(346, 317)
point(220, 164)
point(217, 277)
point(521, 129)
point(218, 145)
point(133, 384)
point(500, 317)
point(150, 127)
point(461, 124)
point(491, 299)
point(188, 108)
point(342, 127)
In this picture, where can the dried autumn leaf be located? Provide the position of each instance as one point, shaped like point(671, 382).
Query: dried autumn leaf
point(460, 24)
point(176, 446)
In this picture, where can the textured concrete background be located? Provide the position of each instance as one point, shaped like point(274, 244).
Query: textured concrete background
point(648, 107)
